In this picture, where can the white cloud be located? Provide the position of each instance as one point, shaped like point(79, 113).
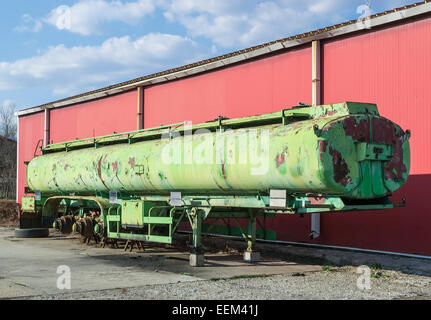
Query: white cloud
point(243, 23)
point(69, 70)
point(86, 16)
point(30, 24)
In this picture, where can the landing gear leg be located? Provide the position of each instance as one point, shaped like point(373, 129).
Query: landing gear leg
point(197, 258)
point(249, 254)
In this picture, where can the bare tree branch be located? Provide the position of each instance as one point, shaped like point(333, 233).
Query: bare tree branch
point(7, 151)
point(8, 121)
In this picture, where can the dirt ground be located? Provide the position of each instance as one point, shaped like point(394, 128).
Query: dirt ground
point(8, 213)
point(29, 269)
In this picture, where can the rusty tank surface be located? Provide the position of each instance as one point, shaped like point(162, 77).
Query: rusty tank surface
point(139, 186)
point(345, 150)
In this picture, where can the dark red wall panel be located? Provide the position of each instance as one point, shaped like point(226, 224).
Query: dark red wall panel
point(265, 85)
point(95, 118)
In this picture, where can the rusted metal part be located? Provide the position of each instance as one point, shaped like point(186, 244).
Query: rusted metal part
point(341, 170)
point(64, 224)
point(294, 158)
point(130, 244)
point(385, 132)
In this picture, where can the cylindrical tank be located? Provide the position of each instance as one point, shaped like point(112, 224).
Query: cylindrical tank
point(358, 156)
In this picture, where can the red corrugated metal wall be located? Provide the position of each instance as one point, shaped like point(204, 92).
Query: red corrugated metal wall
point(104, 116)
point(30, 132)
point(95, 118)
point(266, 85)
point(390, 67)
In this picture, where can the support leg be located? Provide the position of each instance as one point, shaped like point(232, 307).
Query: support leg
point(197, 258)
point(249, 254)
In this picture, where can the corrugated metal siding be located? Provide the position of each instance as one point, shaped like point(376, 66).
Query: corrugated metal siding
point(30, 132)
point(391, 67)
point(253, 88)
point(100, 117)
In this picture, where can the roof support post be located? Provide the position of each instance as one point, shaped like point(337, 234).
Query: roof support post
point(316, 82)
point(46, 135)
point(316, 94)
point(141, 91)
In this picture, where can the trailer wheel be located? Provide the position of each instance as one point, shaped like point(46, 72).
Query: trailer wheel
point(32, 233)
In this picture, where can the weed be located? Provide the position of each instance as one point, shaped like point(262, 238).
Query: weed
point(327, 268)
point(376, 266)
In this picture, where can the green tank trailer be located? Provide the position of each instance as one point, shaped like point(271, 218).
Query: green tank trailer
point(141, 185)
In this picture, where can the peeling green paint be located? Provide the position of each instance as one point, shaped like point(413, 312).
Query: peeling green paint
point(316, 153)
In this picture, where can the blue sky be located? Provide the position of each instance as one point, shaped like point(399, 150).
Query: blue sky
point(54, 49)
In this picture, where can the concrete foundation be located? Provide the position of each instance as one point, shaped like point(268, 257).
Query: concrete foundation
point(251, 256)
point(197, 260)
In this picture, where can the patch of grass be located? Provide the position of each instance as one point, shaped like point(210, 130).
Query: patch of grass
point(378, 275)
point(376, 266)
point(185, 274)
point(327, 268)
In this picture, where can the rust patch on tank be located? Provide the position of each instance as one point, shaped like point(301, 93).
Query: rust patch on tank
point(115, 166)
point(341, 169)
point(280, 159)
point(327, 114)
point(323, 144)
point(358, 131)
point(384, 132)
point(132, 162)
point(223, 170)
point(395, 168)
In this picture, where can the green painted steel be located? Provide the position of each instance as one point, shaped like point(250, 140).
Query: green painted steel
point(343, 150)
point(332, 158)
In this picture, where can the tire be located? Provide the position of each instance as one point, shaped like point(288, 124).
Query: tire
point(32, 233)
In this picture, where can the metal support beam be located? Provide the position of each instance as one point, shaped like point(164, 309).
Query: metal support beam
point(316, 73)
point(317, 100)
point(249, 254)
point(251, 236)
point(141, 91)
point(46, 135)
point(197, 255)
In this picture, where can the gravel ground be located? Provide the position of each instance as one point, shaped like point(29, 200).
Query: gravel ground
point(331, 283)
